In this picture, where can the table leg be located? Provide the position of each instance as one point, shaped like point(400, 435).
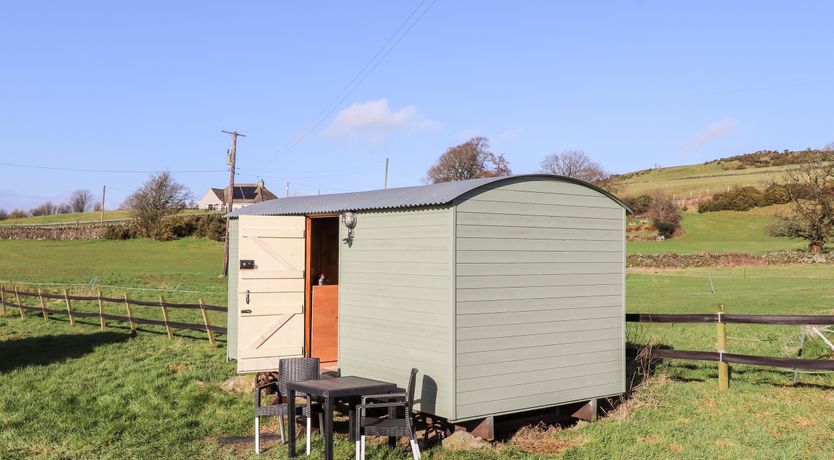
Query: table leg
point(328, 428)
point(291, 423)
point(352, 419)
point(392, 414)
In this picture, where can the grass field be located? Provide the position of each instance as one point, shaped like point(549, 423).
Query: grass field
point(698, 179)
point(721, 232)
point(81, 393)
point(74, 217)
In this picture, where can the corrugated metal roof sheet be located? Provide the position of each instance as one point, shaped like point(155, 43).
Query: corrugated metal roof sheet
point(403, 197)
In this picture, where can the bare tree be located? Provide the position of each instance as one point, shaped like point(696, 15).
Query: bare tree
point(45, 209)
point(3, 214)
point(81, 200)
point(664, 214)
point(158, 197)
point(576, 164)
point(811, 190)
point(97, 206)
point(18, 214)
point(470, 160)
point(63, 208)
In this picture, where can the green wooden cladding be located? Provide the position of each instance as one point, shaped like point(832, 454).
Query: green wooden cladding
point(540, 297)
point(510, 299)
point(395, 302)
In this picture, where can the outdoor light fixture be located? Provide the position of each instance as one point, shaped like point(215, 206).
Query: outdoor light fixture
point(349, 221)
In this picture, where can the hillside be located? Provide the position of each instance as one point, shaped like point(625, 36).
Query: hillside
point(691, 181)
point(722, 232)
point(80, 217)
point(696, 180)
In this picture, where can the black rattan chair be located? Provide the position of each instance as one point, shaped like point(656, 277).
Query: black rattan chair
point(390, 425)
point(289, 370)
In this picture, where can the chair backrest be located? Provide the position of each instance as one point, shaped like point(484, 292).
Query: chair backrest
point(412, 381)
point(297, 370)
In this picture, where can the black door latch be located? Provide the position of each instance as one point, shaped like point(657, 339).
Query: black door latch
point(246, 311)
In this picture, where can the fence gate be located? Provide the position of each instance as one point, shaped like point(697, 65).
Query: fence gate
point(271, 293)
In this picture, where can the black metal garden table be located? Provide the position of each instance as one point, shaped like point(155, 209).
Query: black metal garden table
point(331, 390)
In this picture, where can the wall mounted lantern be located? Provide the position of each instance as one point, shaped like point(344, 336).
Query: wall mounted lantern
point(349, 221)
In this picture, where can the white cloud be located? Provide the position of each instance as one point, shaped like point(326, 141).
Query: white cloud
point(708, 134)
point(372, 121)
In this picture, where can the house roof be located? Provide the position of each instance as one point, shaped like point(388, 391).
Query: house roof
point(246, 193)
point(403, 197)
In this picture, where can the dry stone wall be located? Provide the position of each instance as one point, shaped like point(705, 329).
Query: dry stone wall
point(58, 232)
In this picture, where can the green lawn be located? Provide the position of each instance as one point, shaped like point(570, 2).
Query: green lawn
point(188, 269)
point(81, 393)
point(720, 232)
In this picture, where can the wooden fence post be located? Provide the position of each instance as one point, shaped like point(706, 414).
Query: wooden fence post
point(130, 315)
point(3, 299)
point(165, 317)
point(206, 322)
point(19, 305)
point(43, 305)
point(69, 307)
point(101, 311)
point(723, 367)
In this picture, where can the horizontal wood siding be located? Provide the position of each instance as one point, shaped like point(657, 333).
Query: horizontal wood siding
point(539, 288)
point(395, 302)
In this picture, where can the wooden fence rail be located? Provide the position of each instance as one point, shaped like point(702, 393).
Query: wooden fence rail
point(124, 302)
point(722, 356)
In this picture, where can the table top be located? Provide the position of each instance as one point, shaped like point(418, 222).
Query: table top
point(342, 386)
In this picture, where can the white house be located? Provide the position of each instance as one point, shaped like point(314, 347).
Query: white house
point(244, 195)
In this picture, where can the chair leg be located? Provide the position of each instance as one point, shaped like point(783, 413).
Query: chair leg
point(257, 435)
point(281, 428)
point(362, 445)
point(415, 449)
point(309, 423)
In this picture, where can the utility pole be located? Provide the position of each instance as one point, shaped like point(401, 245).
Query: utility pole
point(230, 196)
point(287, 190)
point(386, 173)
point(101, 210)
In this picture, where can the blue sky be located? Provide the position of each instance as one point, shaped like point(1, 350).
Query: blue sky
point(148, 86)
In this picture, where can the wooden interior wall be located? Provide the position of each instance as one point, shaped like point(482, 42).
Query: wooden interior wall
point(325, 249)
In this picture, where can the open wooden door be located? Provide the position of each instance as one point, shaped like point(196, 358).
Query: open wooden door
point(271, 294)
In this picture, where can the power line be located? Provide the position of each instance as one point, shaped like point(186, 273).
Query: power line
point(111, 171)
point(357, 80)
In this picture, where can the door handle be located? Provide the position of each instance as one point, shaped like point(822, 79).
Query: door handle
point(246, 311)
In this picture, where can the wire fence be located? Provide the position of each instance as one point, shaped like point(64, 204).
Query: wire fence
point(12, 299)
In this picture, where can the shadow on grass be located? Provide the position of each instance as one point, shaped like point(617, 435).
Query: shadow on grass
point(192, 334)
point(48, 349)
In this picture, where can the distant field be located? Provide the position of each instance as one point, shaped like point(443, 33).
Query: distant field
point(79, 217)
point(698, 179)
point(721, 232)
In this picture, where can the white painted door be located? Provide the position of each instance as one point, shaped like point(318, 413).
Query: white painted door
point(270, 295)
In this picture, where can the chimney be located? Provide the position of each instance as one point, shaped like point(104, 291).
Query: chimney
point(260, 183)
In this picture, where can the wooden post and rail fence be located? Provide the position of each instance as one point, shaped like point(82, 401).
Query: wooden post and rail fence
point(124, 303)
point(722, 356)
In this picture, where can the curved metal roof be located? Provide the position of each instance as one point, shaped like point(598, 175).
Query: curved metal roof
point(402, 197)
